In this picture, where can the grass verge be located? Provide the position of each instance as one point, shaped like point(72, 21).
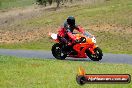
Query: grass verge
point(42, 44)
point(37, 73)
point(108, 42)
point(112, 12)
point(8, 4)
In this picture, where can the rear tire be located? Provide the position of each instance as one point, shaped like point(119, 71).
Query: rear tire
point(98, 54)
point(57, 51)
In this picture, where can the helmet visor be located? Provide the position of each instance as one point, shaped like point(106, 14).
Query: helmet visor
point(71, 22)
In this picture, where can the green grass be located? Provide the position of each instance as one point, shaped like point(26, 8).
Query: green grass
point(114, 43)
point(115, 12)
point(7, 4)
point(42, 44)
point(37, 73)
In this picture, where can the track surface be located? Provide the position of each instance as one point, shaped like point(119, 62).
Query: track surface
point(110, 58)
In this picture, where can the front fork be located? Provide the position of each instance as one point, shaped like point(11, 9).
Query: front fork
point(91, 49)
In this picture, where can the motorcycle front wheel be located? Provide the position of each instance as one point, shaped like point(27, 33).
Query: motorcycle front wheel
point(57, 51)
point(97, 56)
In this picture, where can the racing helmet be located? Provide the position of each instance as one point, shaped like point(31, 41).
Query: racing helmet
point(71, 20)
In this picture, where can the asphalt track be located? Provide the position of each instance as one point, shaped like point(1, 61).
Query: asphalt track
point(40, 54)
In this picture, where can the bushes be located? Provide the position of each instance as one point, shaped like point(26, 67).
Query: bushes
point(41, 2)
point(44, 2)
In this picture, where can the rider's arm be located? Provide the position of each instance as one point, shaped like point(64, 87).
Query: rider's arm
point(80, 29)
point(69, 33)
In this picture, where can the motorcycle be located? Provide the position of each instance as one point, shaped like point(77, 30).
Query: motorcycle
point(85, 48)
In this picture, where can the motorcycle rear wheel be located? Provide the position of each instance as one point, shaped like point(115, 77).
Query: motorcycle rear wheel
point(57, 51)
point(98, 54)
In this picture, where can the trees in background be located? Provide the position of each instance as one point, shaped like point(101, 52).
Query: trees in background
point(41, 2)
point(45, 2)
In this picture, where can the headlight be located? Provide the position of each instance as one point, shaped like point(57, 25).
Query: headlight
point(93, 40)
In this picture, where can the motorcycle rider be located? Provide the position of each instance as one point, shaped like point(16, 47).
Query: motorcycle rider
point(65, 34)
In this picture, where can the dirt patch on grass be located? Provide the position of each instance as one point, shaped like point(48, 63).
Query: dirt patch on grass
point(9, 18)
point(16, 36)
point(112, 28)
point(36, 34)
point(18, 14)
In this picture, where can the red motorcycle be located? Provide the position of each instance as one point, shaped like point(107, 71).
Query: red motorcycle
point(85, 48)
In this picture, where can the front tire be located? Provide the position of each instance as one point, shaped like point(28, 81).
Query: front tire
point(57, 51)
point(98, 54)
